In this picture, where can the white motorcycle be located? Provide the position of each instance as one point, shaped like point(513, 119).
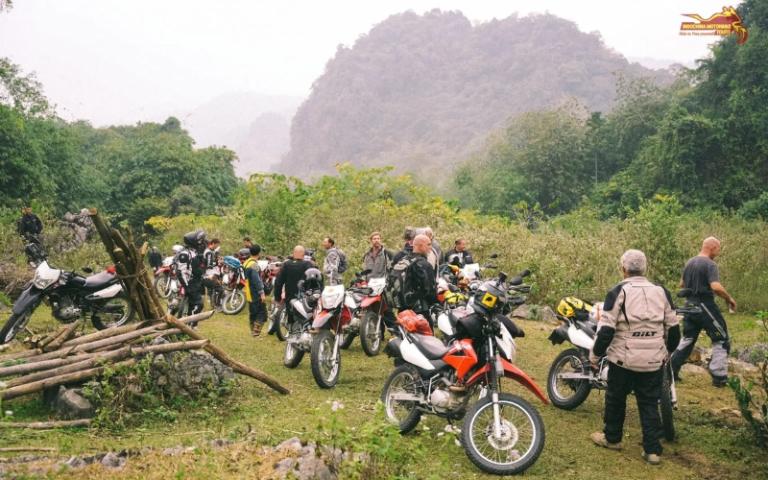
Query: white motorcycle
point(100, 297)
point(571, 377)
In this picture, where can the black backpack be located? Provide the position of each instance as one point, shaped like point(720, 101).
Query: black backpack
point(398, 282)
point(343, 265)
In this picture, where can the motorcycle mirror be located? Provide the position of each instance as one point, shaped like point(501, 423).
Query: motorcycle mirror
point(87, 269)
point(524, 273)
point(490, 265)
point(494, 255)
point(364, 272)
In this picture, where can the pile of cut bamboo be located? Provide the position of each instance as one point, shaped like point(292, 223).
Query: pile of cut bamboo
point(63, 358)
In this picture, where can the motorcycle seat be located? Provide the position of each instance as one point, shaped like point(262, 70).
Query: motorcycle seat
point(99, 280)
point(431, 347)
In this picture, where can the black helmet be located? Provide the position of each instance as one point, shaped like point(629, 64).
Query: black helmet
point(195, 239)
point(244, 253)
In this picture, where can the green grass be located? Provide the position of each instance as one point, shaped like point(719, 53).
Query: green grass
point(707, 447)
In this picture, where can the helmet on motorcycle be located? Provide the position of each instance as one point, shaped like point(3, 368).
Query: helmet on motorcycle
point(177, 248)
point(313, 279)
point(195, 239)
point(571, 307)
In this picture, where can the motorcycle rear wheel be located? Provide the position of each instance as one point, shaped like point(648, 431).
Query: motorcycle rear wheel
point(404, 414)
point(15, 324)
point(567, 394)
point(499, 456)
point(665, 406)
point(120, 303)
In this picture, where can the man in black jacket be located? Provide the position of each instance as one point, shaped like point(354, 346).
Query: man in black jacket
point(421, 287)
point(29, 225)
point(288, 279)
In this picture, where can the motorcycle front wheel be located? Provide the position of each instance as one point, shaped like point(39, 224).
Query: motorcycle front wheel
point(15, 324)
point(326, 367)
point(519, 442)
point(162, 285)
point(370, 336)
point(292, 356)
point(234, 302)
point(404, 380)
point(112, 313)
point(565, 393)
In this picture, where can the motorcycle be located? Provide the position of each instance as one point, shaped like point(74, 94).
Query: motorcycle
point(164, 275)
point(233, 280)
point(299, 339)
point(571, 377)
point(502, 433)
point(332, 329)
point(372, 307)
point(100, 297)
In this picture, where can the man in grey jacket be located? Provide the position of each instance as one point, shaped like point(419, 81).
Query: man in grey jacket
point(332, 262)
point(377, 258)
point(638, 329)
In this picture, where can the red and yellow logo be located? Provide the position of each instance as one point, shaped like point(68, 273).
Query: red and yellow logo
point(723, 23)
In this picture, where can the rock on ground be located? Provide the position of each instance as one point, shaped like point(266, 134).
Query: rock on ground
point(70, 404)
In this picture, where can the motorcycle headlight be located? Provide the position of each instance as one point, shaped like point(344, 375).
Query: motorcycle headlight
point(41, 282)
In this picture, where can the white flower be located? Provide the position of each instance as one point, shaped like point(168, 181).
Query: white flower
point(336, 405)
point(9, 413)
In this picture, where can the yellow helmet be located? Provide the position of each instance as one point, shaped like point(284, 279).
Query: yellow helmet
point(570, 306)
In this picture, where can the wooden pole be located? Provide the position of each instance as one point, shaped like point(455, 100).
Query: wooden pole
point(83, 422)
point(40, 385)
point(63, 336)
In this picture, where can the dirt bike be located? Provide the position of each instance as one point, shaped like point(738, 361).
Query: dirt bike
point(163, 276)
point(502, 433)
point(571, 377)
point(299, 339)
point(100, 297)
point(372, 307)
point(331, 332)
point(233, 281)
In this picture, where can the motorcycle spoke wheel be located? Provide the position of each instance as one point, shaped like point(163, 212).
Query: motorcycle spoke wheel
point(370, 336)
point(13, 326)
point(519, 442)
point(114, 312)
point(234, 302)
point(403, 413)
point(566, 393)
point(325, 365)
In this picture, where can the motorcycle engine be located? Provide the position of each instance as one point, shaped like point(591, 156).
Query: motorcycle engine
point(64, 310)
point(445, 400)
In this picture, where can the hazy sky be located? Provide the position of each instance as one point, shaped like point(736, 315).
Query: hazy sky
point(129, 60)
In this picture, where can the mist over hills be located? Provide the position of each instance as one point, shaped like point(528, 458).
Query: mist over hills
point(423, 92)
point(256, 126)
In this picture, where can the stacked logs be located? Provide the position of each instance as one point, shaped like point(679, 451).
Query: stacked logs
point(64, 358)
point(129, 263)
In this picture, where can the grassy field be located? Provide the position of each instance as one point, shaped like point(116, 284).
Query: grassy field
point(708, 446)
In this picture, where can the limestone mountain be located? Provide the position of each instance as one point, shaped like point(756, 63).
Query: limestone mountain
point(422, 92)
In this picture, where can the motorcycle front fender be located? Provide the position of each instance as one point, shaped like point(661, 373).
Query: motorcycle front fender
point(28, 300)
point(511, 371)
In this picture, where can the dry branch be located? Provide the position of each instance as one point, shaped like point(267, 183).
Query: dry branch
point(83, 422)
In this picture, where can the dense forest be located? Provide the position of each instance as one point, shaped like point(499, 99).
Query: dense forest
point(702, 140)
point(421, 92)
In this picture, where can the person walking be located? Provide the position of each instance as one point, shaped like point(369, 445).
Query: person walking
point(702, 276)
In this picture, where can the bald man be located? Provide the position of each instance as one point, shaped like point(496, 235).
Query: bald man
point(290, 274)
point(701, 275)
point(420, 278)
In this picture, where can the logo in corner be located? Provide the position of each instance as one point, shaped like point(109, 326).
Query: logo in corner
point(722, 23)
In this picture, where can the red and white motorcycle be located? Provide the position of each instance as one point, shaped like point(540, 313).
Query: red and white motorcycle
point(502, 433)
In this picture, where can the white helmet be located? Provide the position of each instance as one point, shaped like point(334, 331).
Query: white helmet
point(177, 248)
